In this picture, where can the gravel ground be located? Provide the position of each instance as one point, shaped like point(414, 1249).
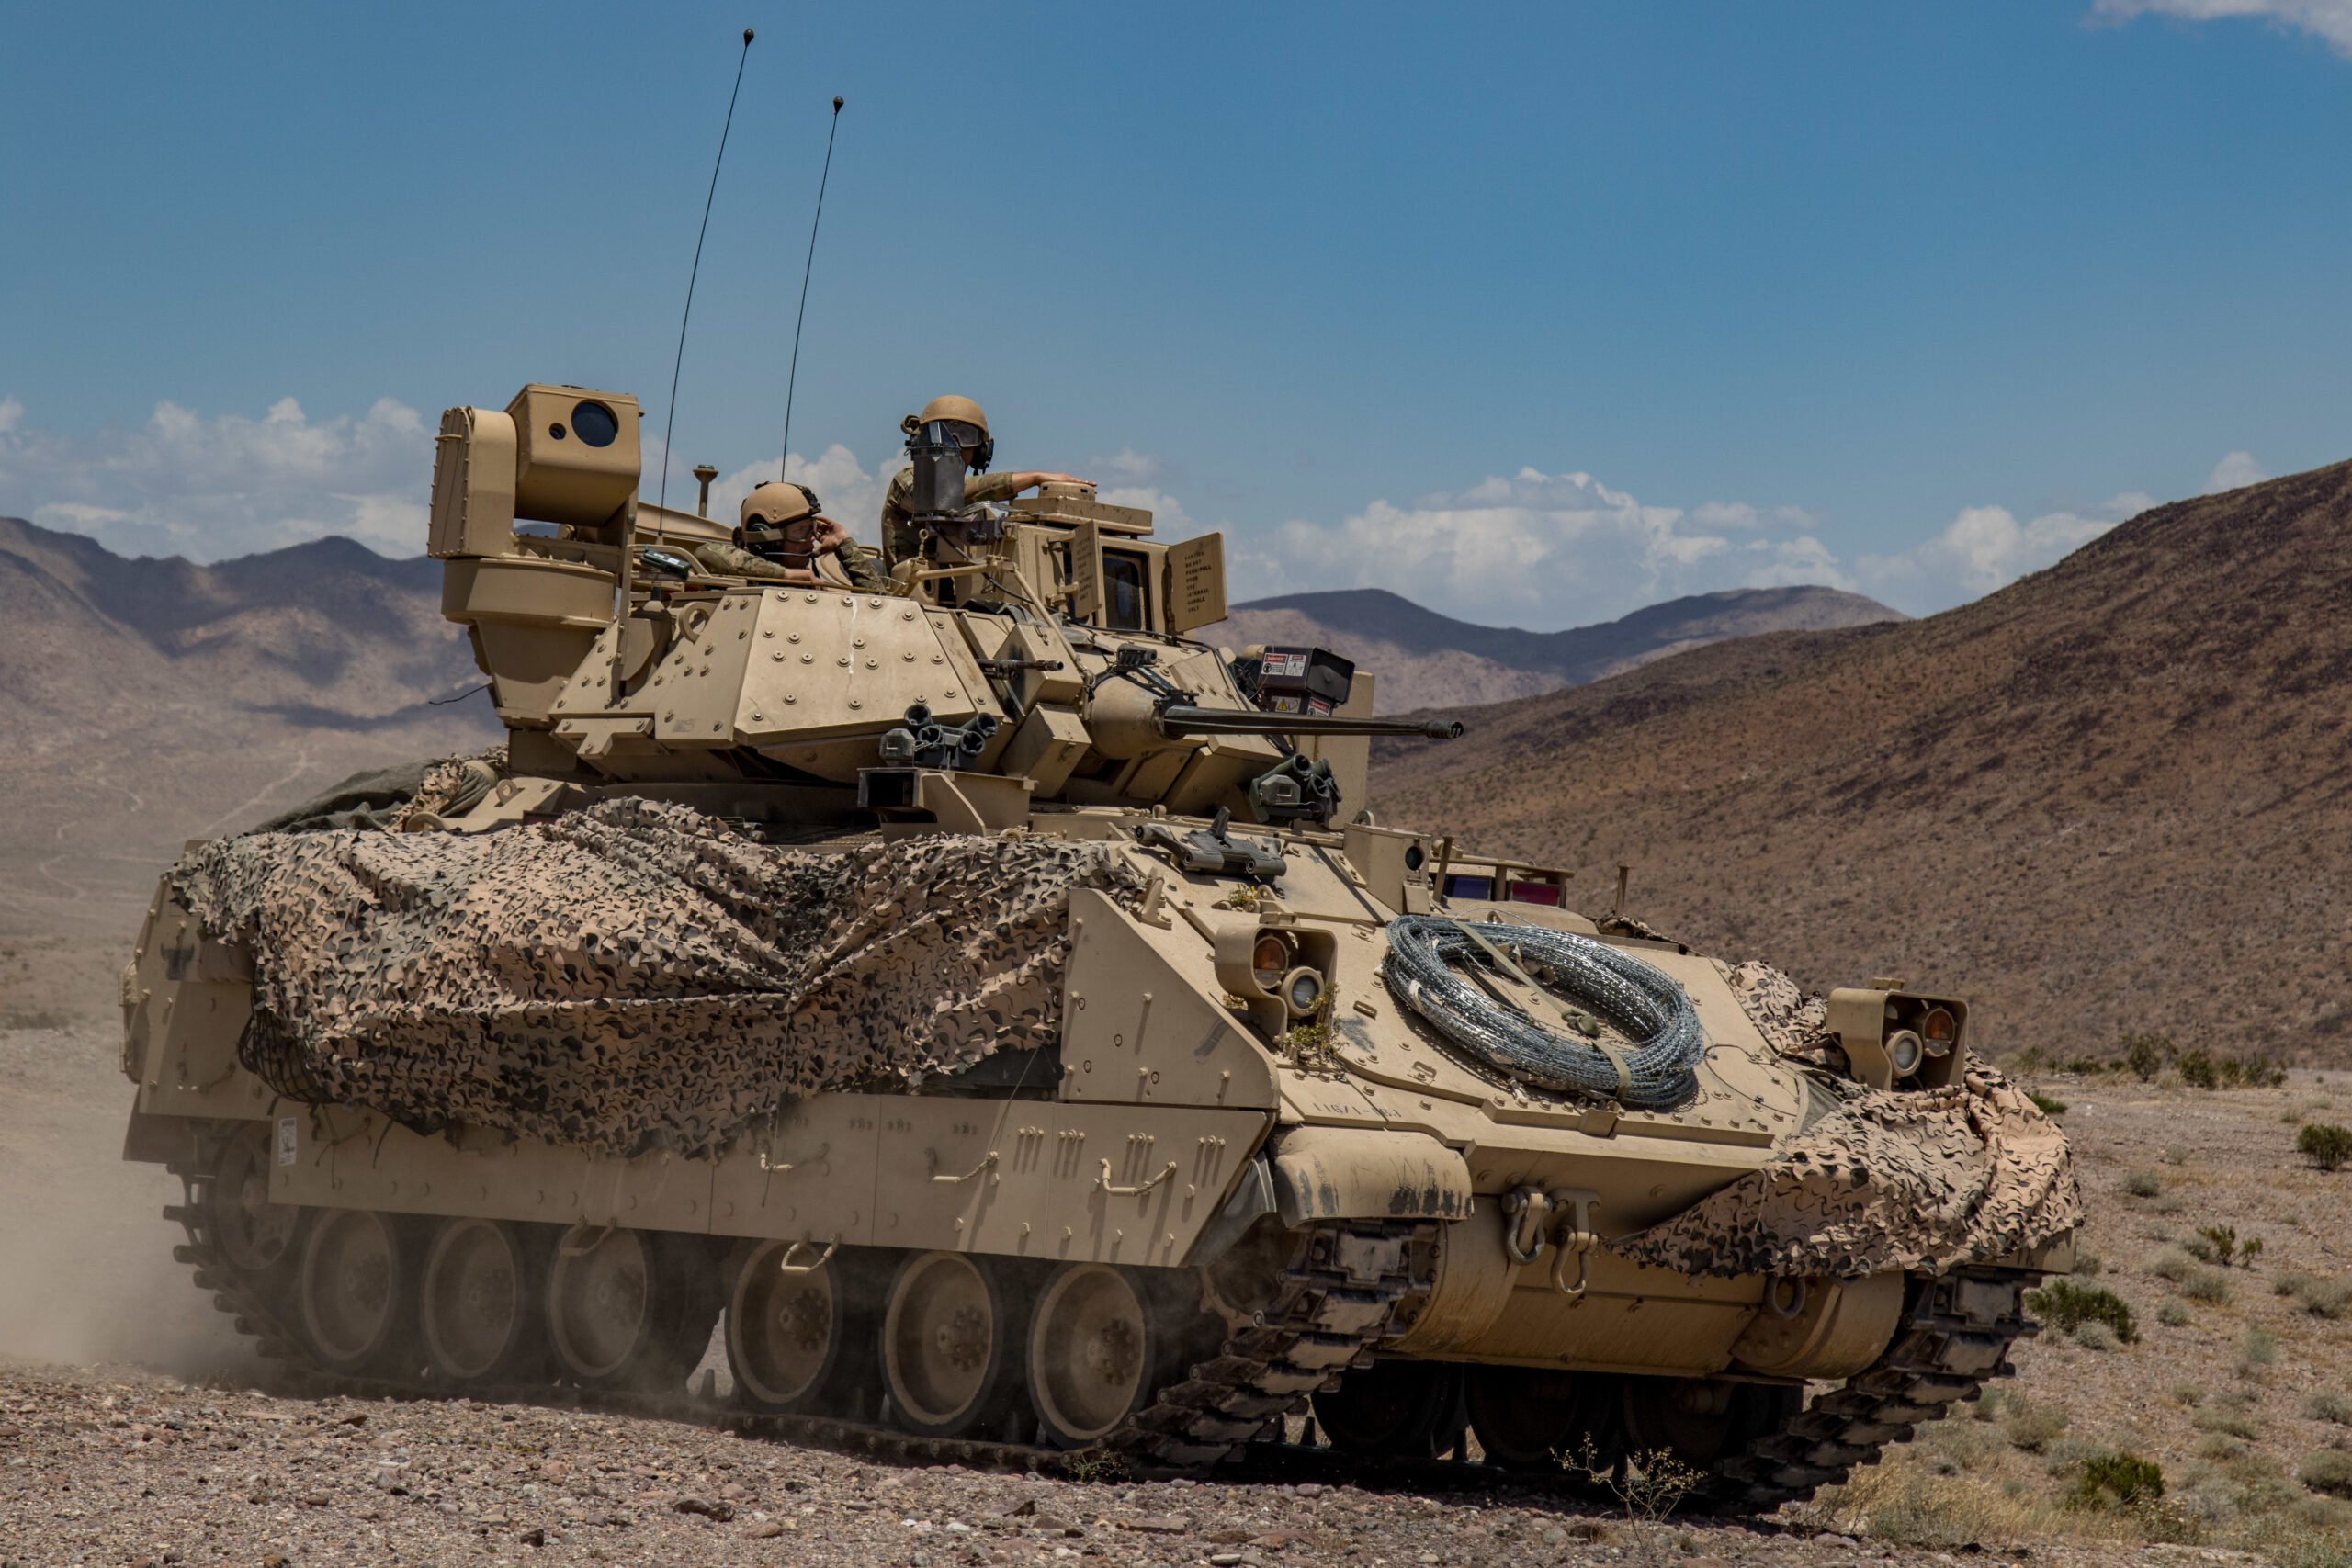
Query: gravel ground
point(113, 1465)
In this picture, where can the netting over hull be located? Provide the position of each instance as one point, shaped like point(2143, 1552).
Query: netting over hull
point(635, 975)
point(1920, 1180)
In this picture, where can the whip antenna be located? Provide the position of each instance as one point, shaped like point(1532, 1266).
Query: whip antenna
point(792, 379)
point(671, 421)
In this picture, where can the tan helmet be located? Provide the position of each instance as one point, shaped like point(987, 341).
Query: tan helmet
point(777, 522)
point(777, 502)
point(954, 407)
point(967, 425)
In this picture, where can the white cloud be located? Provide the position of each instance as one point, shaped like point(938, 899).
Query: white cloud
point(225, 486)
point(2235, 472)
point(1559, 549)
point(852, 496)
point(2328, 19)
point(1986, 547)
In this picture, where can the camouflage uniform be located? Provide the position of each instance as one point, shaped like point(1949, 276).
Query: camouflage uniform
point(723, 560)
point(900, 539)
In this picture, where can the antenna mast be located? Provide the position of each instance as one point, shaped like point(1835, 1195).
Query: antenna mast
point(670, 422)
point(792, 379)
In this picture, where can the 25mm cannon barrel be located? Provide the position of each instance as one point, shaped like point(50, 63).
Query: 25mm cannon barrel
point(1183, 720)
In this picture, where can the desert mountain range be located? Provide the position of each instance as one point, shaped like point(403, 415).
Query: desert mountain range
point(1426, 659)
point(2111, 796)
point(143, 701)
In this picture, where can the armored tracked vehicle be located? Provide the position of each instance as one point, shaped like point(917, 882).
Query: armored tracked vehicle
point(995, 1001)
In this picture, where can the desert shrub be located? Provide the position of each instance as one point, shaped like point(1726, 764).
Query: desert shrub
point(1986, 1405)
point(2174, 1263)
point(2175, 1154)
point(2220, 1446)
point(2325, 1145)
point(2032, 1427)
point(2046, 1104)
point(2119, 1481)
point(2187, 1394)
point(2328, 1470)
point(2224, 1240)
point(2258, 1348)
point(2086, 1262)
point(2328, 1404)
point(2167, 1204)
point(2069, 1306)
point(2096, 1335)
point(2197, 1068)
point(2142, 1183)
point(2320, 1297)
point(2227, 1416)
point(2248, 1250)
point(2086, 1066)
point(2207, 1285)
point(2173, 1312)
point(2145, 1056)
point(2197, 1247)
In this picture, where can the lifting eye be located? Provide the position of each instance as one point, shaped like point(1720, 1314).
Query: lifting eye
point(1268, 960)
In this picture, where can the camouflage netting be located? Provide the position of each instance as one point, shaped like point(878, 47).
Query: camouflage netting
point(635, 975)
point(1920, 1180)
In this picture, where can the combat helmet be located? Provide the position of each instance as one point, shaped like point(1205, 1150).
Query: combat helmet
point(963, 422)
point(778, 519)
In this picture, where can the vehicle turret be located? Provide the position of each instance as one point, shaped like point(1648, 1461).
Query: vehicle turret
point(1053, 639)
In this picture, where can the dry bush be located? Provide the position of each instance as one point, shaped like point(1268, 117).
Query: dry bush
point(2329, 1404)
point(2032, 1427)
point(2328, 1470)
point(2227, 1416)
point(2169, 1263)
point(2207, 1285)
point(2320, 1297)
point(2142, 1183)
point(2173, 1312)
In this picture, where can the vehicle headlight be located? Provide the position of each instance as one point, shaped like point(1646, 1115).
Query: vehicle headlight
point(1302, 991)
point(1906, 1050)
point(1268, 960)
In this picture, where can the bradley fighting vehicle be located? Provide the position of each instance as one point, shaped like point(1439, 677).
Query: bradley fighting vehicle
point(1332, 1115)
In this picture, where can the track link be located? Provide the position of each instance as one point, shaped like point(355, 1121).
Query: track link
point(1338, 1295)
point(1953, 1337)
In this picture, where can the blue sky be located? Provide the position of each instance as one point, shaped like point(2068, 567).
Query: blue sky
point(1534, 314)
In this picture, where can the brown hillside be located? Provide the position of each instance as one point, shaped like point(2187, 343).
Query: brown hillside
point(2111, 796)
point(145, 702)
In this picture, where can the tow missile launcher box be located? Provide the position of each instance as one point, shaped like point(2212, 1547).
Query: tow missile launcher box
point(1299, 680)
point(997, 999)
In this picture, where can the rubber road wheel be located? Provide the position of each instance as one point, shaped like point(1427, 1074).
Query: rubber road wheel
point(628, 1309)
point(799, 1331)
point(356, 1293)
point(1398, 1409)
point(252, 1233)
point(1092, 1350)
point(478, 1311)
point(1528, 1416)
point(1699, 1420)
point(951, 1346)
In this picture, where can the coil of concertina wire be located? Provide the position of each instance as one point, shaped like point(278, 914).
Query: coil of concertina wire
point(1665, 1041)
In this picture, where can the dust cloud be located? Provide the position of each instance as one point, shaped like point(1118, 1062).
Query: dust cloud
point(85, 1256)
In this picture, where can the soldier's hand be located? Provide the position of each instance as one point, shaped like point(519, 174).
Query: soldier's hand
point(828, 536)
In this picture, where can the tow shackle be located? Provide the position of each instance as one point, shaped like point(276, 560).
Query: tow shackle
point(1559, 1222)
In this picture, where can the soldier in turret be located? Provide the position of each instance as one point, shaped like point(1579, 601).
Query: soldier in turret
point(900, 539)
point(783, 530)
